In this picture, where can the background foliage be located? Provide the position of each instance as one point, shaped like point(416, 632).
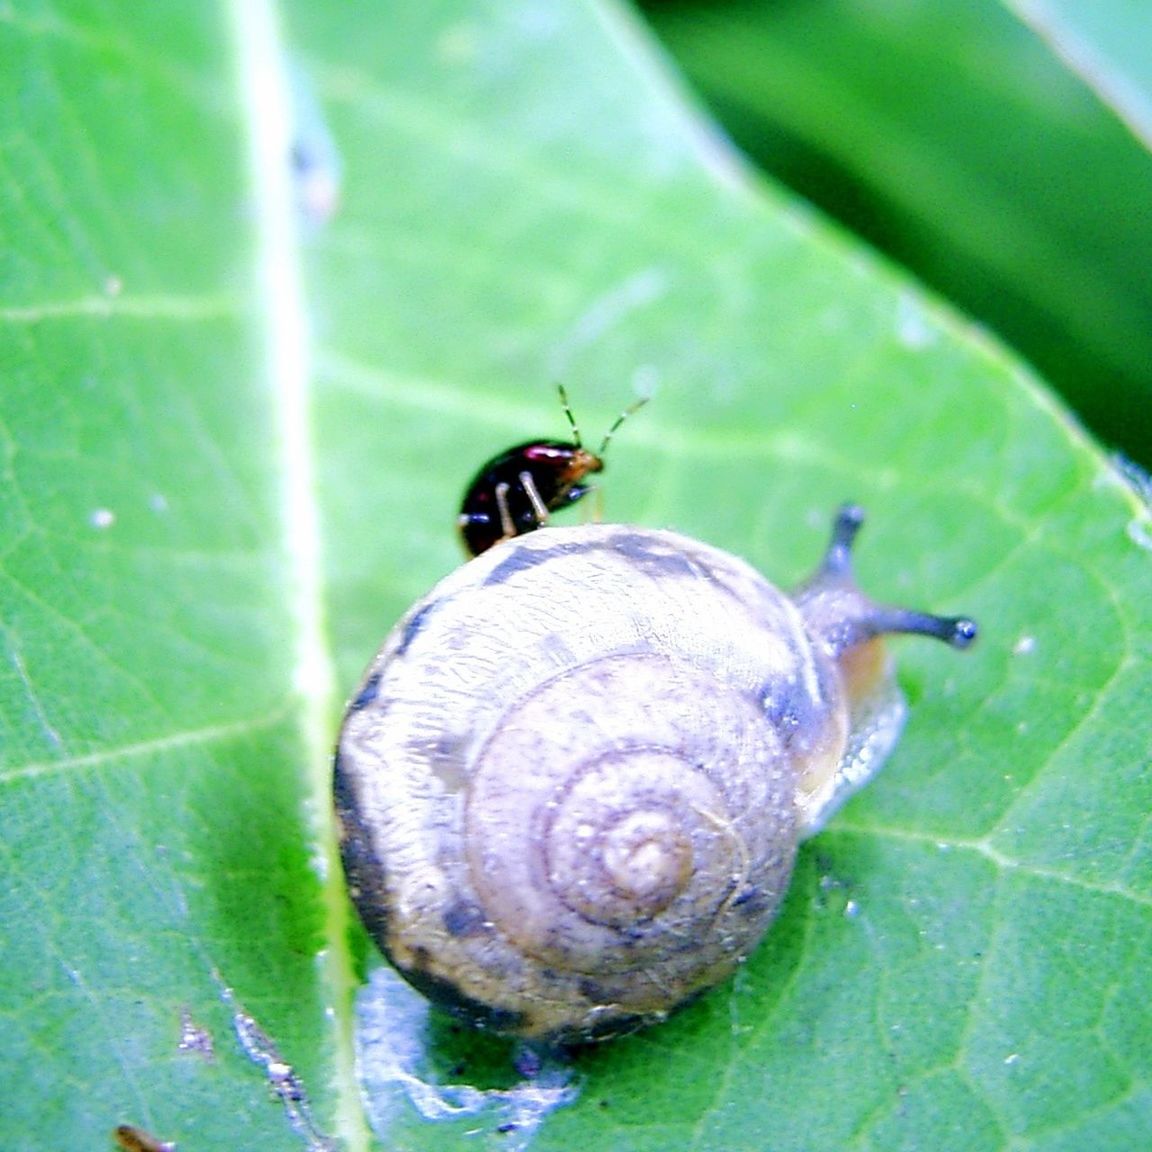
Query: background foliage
point(233, 431)
point(1002, 158)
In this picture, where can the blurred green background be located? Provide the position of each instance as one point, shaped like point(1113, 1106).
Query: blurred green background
point(952, 137)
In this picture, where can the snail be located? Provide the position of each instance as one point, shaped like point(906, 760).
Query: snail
point(571, 785)
point(518, 489)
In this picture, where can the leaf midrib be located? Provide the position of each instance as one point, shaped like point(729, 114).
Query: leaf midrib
point(265, 99)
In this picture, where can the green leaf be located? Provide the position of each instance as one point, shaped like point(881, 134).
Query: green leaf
point(963, 146)
point(1108, 43)
point(231, 450)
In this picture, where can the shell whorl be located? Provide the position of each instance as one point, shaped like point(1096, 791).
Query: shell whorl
point(635, 829)
point(578, 815)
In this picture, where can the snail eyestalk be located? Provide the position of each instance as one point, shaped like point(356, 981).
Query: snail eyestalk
point(837, 560)
point(956, 631)
point(845, 618)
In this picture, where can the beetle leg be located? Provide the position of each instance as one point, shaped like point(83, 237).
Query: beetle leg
point(507, 527)
point(596, 514)
point(539, 508)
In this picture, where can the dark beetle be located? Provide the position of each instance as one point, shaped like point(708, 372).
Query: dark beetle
point(517, 490)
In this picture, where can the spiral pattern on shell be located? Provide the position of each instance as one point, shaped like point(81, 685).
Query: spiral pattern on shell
point(564, 816)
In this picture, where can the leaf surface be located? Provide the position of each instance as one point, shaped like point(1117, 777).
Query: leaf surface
point(231, 450)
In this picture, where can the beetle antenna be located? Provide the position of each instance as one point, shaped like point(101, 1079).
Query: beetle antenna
point(568, 412)
point(634, 407)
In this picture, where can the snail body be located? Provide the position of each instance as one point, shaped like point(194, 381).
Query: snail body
point(572, 783)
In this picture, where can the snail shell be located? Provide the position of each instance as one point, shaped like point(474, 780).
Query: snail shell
point(572, 783)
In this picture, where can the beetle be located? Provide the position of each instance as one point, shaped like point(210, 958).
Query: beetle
point(517, 490)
